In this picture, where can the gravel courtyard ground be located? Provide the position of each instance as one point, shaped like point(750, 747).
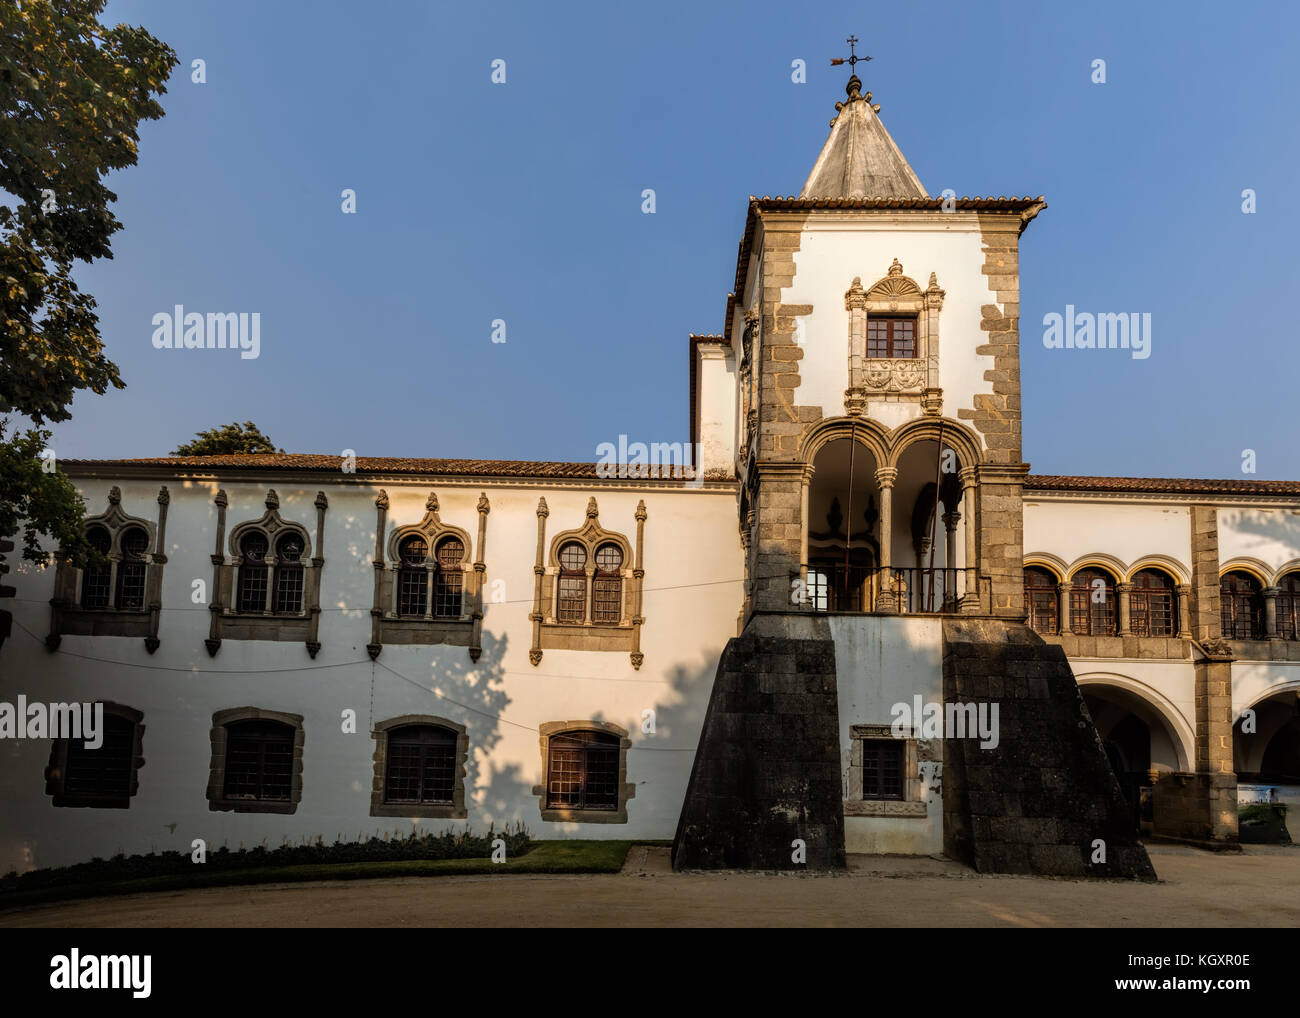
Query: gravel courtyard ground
point(1258, 887)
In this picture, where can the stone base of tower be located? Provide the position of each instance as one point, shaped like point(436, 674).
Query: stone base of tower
point(765, 791)
point(1044, 800)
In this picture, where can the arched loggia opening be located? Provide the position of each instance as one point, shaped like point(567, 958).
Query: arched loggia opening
point(843, 528)
point(928, 554)
point(1139, 743)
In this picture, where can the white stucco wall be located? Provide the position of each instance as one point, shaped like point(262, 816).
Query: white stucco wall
point(1070, 532)
point(1269, 538)
point(881, 661)
point(692, 595)
point(832, 253)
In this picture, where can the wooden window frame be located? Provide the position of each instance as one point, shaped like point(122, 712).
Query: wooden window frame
point(1234, 604)
point(892, 341)
point(380, 807)
point(56, 773)
point(219, 737)
point(1143, 599)
point(1044, 612)
point(625, 789)
point(1107, 611)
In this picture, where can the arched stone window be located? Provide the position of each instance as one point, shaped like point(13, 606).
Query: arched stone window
point(428, 589)
point(1152, 604)
point(1288, 607)
point(288, 575)
point(413, 577)
point(571, 599)
point(251, 593)
point(449, 578)
point(268, 588)
point(119, 591)
point(1092, 603)
point(1041, 600)
point(607, 586)
point(97, 579)
point(1241, 606)
point(132, 569)
point(582, 597)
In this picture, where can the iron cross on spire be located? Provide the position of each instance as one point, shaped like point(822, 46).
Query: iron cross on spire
point(852, 59)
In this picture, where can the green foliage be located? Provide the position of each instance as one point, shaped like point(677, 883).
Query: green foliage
point(43, 502)
point(448, 845)
point(72, 95)
point(229, 440)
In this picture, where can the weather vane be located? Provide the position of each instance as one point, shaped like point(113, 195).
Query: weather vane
point(852, 59)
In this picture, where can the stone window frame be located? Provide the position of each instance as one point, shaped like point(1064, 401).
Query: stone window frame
point(549, 633)
point(219, 738)
point(68, 617)
point(913, 804)
point(226, 620)
point(896, 379)
point(626, 789)
point(56, 772)
point(456, 810)
point(386, 625)
point(434, 531)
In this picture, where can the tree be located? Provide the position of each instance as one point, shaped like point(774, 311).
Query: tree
point(72, 95)
point(44, 500)
point(229, 440)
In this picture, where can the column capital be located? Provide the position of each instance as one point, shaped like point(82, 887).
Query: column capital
point(886, 476)
point(1270, 591)
point(968, 476)
point(1123, 588)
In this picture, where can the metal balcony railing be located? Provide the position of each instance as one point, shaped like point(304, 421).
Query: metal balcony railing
point(836, 587)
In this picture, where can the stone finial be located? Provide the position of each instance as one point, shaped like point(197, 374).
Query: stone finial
point(321, 501)
point(221, 499)
point(381, 500)
point(592, 510)
point(896, 269)
point(484, 506)
point(164, 496)
point(114, 495)
point(855, 296)
point(640, 511)
point(431, 503)
point(542, 509)
point(272, 499)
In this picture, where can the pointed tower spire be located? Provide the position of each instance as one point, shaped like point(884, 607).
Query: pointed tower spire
point(860, 159)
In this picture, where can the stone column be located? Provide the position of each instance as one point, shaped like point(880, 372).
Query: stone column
point(951, 575)
point(539, 568)
point(1125, 618)
point(480, 574)
point(1270, 612)
point(377, 605)
point(1183, 593)
point(638, 578)
point(970, 601)
point(155, 571)
point(1063, 608)
point(317, 566)
point(885, 478)
point(216, 601)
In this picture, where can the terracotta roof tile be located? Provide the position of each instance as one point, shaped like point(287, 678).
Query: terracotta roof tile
point(1161, 485)
point(365, 464)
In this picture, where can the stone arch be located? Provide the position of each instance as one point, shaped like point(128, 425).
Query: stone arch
point(1257, 568)
point(1150, 706)
point(863, 430)
point(1164, 563)
point(1046, 560)
point(955, 434)
point(1098, 560)
point(1287, 567)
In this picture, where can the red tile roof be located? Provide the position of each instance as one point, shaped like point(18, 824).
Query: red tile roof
point(544, 469)
point(1161, 485)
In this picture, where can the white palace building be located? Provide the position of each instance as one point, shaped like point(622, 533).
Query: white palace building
point(289, 649)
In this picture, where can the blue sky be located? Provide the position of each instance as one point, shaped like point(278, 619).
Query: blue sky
point(523, 202)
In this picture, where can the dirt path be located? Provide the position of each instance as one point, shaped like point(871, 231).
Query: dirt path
point(1259, 887)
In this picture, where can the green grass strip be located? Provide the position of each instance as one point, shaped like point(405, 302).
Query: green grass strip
point(543, 857)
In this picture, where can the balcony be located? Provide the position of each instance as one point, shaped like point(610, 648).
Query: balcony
point(905, 591)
